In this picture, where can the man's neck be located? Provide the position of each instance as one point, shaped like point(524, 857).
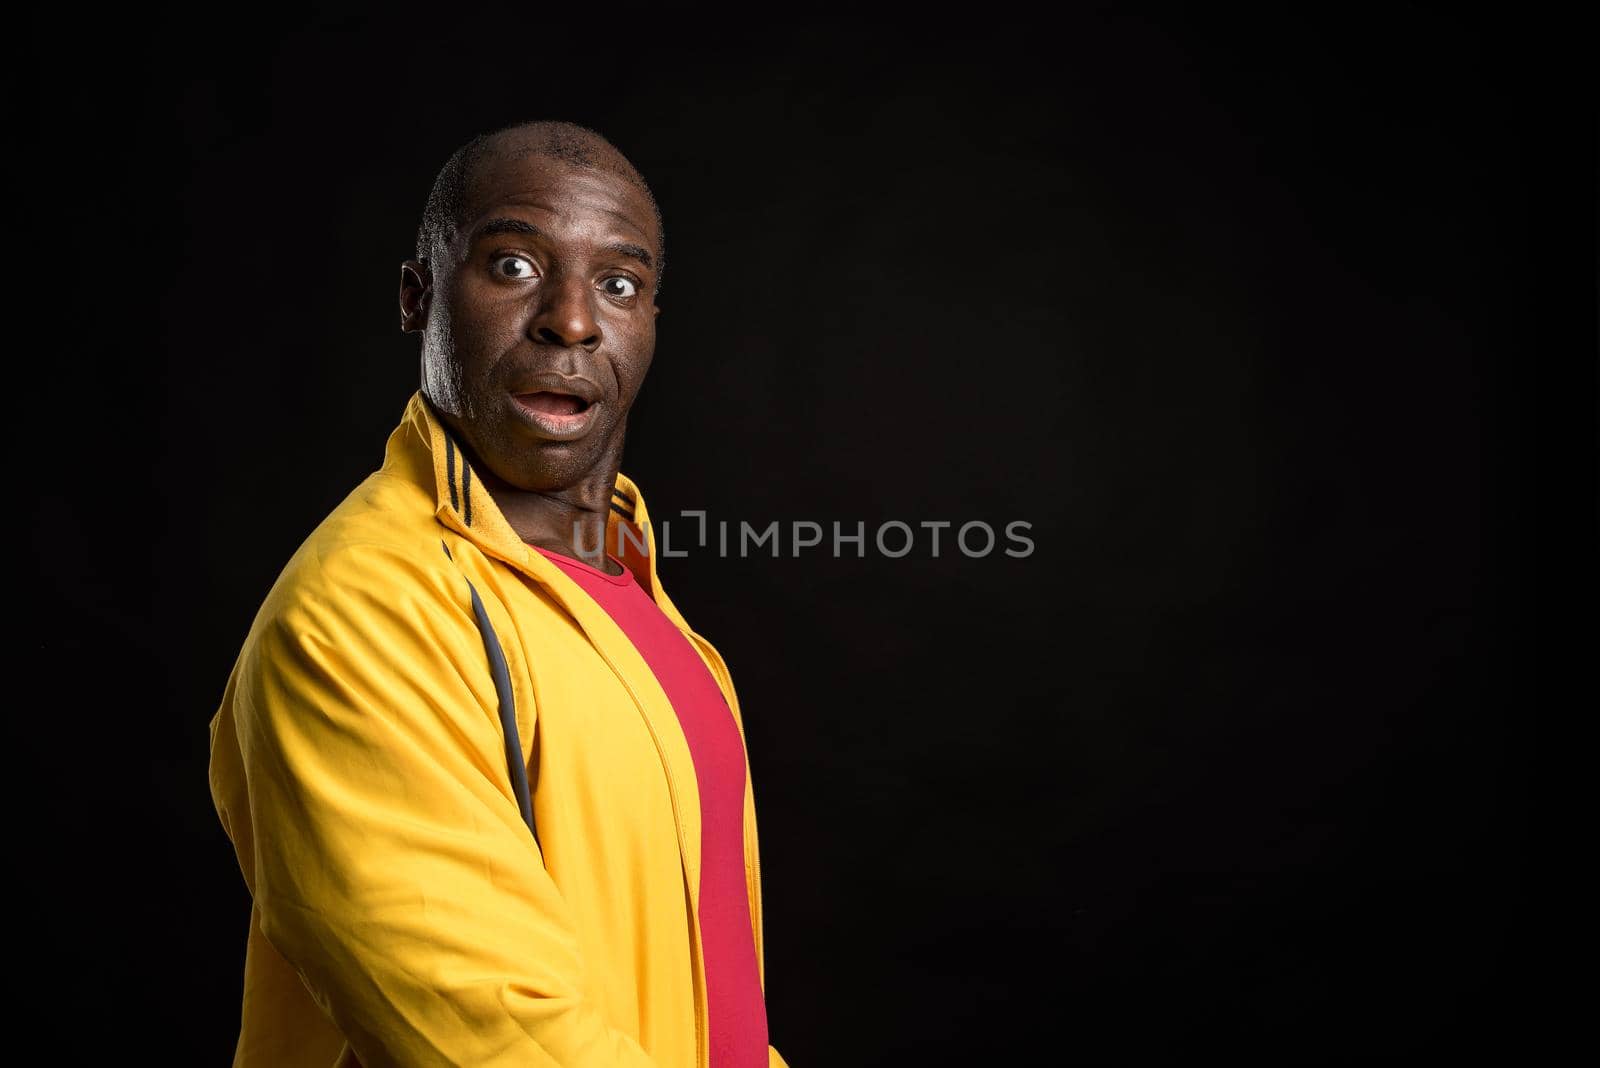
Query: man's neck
point(570, 520)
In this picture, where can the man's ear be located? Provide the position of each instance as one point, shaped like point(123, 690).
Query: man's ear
point(416, 291)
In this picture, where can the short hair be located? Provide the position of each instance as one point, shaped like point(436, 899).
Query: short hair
point(553, 139)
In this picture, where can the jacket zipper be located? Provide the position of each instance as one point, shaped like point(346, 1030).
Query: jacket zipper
point(700, 1054)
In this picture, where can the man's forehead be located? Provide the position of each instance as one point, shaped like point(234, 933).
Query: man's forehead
point(529, 179)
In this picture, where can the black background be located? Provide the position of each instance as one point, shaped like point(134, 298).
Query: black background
point(1245, 318)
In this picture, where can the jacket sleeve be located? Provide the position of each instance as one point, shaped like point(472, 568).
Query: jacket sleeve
point(392, 867)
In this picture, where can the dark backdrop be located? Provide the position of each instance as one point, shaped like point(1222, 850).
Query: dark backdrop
point(1241, 317)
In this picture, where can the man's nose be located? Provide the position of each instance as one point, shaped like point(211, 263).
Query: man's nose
point(566, 313)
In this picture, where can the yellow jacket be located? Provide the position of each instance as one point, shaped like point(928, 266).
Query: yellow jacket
point(464, 808)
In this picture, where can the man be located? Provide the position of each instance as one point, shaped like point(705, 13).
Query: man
point(487, 788)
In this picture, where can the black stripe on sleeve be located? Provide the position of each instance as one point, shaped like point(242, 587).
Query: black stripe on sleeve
point(450, 468)
point(508, 711)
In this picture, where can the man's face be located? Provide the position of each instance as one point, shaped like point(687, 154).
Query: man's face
point(539, 325)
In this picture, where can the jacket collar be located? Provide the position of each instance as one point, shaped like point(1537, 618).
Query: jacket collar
point(425, 451)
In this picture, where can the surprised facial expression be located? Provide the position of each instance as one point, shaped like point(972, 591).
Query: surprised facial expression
point(540, 325)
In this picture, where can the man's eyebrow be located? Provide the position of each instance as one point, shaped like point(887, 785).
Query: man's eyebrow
point(625, 249)
point(506, 226)
point(518, 226)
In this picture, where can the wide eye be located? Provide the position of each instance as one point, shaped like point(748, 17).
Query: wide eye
point(625, 287)
point(518, 268)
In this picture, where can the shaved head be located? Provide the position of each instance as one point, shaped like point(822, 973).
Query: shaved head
point(450, 200)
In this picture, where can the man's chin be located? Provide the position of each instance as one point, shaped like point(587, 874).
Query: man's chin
point(546, 466)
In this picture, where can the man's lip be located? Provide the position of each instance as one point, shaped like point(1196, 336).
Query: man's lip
point(529, 394)
point(552, 427)
point(571, 386)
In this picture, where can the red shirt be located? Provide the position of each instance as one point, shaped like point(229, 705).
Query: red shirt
point(733, 985)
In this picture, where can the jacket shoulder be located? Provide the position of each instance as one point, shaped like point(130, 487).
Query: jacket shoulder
point(379, 551)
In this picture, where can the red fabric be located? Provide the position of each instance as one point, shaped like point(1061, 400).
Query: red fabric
point(733, 985)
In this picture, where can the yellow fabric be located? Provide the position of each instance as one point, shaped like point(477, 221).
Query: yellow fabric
point(402, 913)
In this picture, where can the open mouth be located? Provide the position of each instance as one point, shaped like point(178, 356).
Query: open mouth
point(545, 402)
point(554, 415)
